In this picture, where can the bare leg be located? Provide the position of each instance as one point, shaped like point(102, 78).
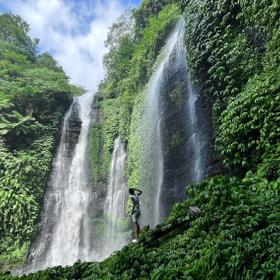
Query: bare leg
point(137, 229)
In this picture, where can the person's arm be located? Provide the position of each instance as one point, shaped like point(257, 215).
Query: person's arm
point(139, 192)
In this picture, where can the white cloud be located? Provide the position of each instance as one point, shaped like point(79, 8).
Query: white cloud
point(73, 31)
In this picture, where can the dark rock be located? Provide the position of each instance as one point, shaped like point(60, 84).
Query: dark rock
point(179, 153)
point(73, 127)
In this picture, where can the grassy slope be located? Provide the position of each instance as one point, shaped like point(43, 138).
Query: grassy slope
point(236, 236)
point(233, 49)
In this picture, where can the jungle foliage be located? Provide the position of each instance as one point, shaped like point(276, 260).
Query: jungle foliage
point(236, 236)
point(128, 66)
point(34, 94)
point(233, 51)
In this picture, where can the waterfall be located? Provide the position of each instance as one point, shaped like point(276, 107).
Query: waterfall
point(152, 142)
point(195, 140)
point(170, 62)
point(193, 128)
point(115, 203)
point(65, 234)
point(67, 224)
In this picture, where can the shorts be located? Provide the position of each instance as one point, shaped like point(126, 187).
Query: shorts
point(135, 216)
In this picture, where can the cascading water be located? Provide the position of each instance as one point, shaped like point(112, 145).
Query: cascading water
point(67, 230)
point(195, 141)
point(152, 142)
point(115, 203)
point(193, 128)
point(170, 62)
point(65, 234)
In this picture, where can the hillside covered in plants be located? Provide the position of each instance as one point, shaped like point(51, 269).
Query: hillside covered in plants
point(232, 51)
point(34, 95)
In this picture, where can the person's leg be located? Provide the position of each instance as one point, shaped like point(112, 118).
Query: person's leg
point(134, 221)
point(137, 229)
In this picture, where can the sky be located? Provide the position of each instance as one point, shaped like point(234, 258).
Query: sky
point(73, 31)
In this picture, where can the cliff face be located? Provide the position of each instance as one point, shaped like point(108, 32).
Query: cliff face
point(178, 132)
point(186, 129)
point(73, 127)
point(186, 132)
point(177, 156)
point(211, 157)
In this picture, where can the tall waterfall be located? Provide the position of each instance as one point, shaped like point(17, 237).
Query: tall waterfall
point(152, 142)
point(65, 234)
point(170, 62)
point(193, 127)
point(67, 230)
point(115, 202)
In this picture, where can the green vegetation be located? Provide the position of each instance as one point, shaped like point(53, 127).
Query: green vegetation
point(129, 64)
point(252, 119)
point(96, 154)
point(34, 94)
point(236, 236)
point(233, 51)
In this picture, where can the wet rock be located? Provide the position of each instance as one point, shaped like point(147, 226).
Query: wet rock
point(73, 127)
point(177, 131)
point(194, 211)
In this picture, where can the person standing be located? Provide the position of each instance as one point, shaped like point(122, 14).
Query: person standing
point(135, 213)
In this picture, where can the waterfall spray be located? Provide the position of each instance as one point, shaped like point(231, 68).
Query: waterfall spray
point(170, 61)
point(152, 139)
point(115, 202)
point(65, 227)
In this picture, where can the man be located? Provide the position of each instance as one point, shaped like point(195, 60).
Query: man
point(135, 213)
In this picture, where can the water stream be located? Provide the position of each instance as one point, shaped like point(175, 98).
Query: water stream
point(152, 143)
point(66, 228)
point(115, 203)
point(65, 233)
point(195, 141)
point(170, 61)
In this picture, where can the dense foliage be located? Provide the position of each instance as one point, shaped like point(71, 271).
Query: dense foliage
point(236, 236)
point(233, 51)
point(34, 94)
point(129, 65)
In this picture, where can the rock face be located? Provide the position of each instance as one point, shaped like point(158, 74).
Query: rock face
point(185, 135)
point(175, 131)
point(212, 162)
point(73, 127)
point(177, 162)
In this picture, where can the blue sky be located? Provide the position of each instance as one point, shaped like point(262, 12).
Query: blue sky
point(73, 31)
